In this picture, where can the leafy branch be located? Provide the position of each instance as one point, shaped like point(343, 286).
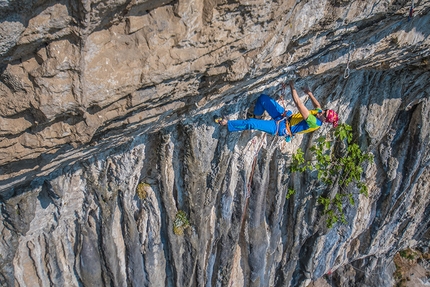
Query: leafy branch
point(339, 162)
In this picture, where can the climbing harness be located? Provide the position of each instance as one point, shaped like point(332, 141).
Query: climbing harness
point(287, 127)
point(411, 11)
point(350, 51)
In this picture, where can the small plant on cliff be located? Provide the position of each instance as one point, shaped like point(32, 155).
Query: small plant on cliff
point(181, 222)
point(338, 162)
point(141, 190)
point(290, 193)
point(408, 254)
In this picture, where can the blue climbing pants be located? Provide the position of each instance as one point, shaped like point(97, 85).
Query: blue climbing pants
point(275, 110)
point(266, 103)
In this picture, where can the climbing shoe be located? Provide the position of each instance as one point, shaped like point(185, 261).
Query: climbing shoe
point(218, 120)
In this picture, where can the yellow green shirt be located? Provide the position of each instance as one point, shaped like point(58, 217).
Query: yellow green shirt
point(299, 125)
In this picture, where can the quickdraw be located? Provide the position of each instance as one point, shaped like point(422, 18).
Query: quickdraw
point(347, 71)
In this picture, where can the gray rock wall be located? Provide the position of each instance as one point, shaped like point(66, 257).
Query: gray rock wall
point(99, 96)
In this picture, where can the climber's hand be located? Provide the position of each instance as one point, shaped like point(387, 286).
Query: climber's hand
point(306, 90)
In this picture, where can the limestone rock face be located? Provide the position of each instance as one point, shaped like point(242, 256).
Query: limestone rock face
point(97, 97)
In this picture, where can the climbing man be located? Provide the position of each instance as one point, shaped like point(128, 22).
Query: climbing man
point(284, 122)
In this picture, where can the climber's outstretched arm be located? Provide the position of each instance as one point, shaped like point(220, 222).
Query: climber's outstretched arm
point(302, 109)
point(313, 99)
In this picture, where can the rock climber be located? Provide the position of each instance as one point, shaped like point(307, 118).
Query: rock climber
point(283, 123)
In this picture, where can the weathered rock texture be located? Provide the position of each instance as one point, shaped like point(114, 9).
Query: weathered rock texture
point(99, 96)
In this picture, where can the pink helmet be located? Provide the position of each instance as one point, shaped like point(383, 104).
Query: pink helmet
point(331, 117)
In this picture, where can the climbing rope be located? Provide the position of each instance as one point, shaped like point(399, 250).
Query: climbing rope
point(350, 51)
point(367, 272)
point(248, 186)
point(329, 273)
point(283, 87)
point(330, 276)
point(253, 164)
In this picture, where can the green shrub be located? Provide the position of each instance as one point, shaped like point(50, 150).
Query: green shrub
point(407, 254)
point(181, 222)
point(339, 162)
